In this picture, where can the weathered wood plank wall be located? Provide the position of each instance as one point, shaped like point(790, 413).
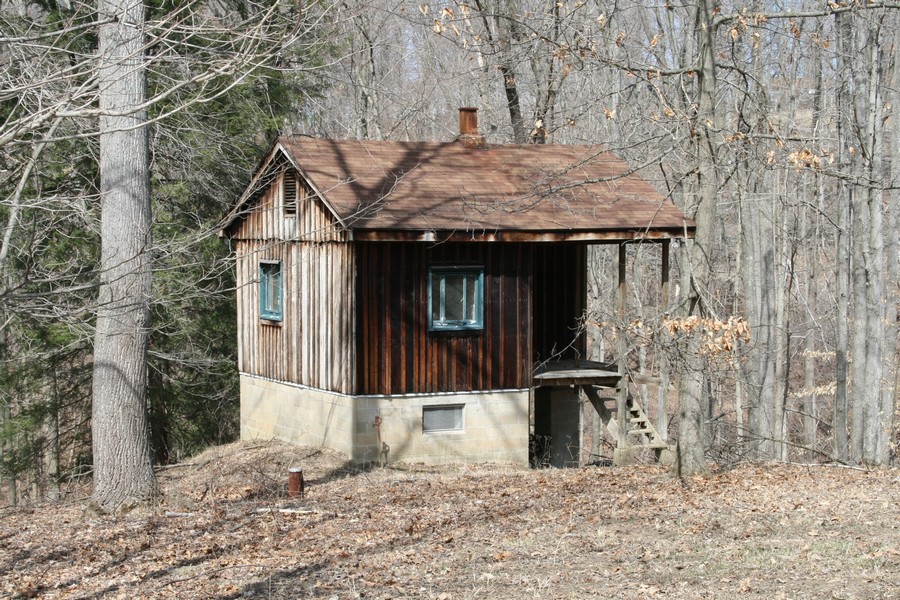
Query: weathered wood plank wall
point(313, 343)
point(334, 289)
point(395, 351)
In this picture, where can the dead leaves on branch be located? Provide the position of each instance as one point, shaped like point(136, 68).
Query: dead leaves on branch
point(804, 159)
point(719, 338)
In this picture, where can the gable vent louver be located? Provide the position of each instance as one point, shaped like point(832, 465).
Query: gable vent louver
point(290, 193)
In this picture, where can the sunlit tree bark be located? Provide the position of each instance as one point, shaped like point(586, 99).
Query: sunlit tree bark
point(122, 468)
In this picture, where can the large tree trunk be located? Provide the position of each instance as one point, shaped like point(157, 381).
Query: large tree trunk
point(783, 283)
point(365, 74)
point(691, 430)
point(122, 468)
point(891, 274)
point(873, 257)
point(6, 446)
point(859, 218)
point(507, 35)
point(764, 354)
point(543, 67)
point(810, 396)
point(842, 310)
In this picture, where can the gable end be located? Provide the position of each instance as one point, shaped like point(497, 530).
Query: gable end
point(281, 204)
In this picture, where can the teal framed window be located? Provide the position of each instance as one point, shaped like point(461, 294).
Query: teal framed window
point(455, 298)
point(270, 290)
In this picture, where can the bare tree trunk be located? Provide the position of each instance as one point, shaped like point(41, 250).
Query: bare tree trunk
point(873, 257)
point(808, 401)
point(365, 72)
point(891, 274)
point(506, 37)
point(5, 447)
point(53, 453)
point(783, 331)
point(775, 404)
point(691, 446)
point(842, 316)
point(483, 66)
point(809, 406)
point(546, 79)
point(859, 211)
point(691, 456)
point(859, 217)
point(740, 270)
point(762, 420)
point(122, 468)
point(753, 373)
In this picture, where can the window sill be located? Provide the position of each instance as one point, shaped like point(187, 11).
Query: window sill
point(456, 332)
point(270, 322)
point(442, 432)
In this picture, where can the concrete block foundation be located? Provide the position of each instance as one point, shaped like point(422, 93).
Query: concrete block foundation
point(493, 427)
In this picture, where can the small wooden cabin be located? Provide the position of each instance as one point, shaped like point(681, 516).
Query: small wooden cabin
point(397, 298)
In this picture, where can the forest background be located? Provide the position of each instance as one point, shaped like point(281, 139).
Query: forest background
point(771, 124)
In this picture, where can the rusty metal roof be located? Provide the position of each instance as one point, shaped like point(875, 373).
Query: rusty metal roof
point(413, 187)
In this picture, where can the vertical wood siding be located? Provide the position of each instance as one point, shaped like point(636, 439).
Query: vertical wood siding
point(559, 300)
point(313, 343)
point(355, 314)
point(395, 351)
point(265, 218)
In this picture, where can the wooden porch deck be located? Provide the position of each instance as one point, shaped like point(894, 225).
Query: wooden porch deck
point(581, 372)
point(585, 372)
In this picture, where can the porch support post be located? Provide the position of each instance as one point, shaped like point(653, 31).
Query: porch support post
point(621, 350)
point(664, 283)
point(662, 418)
point(601, 417)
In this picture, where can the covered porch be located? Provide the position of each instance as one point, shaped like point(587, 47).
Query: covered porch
point(567, 381)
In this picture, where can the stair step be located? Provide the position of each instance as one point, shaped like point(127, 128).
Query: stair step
point(656, 445)
point(643, 435)
point(650, 446)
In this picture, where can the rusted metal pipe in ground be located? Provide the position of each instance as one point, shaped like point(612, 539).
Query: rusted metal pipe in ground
point(296, 485)
point(377, 425)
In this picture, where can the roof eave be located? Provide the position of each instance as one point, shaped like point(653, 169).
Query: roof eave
point(252, 188)
point(595, 236)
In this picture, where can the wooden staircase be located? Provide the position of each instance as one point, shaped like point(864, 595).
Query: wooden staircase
point(639, 433)
point(640, 427)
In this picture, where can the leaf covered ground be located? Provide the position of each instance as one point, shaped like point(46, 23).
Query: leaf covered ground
point(224, 528)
